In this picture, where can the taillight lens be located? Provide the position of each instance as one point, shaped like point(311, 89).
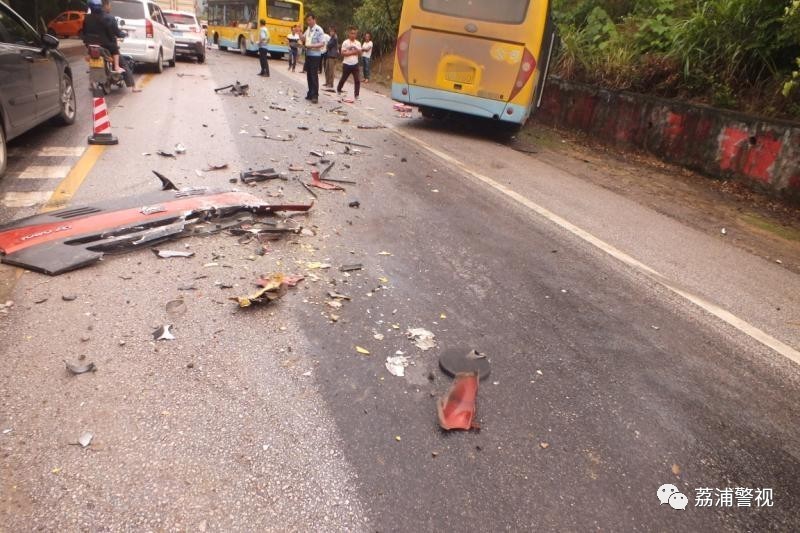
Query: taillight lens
point(148, 29)
point(526, 70)
point(403, 43)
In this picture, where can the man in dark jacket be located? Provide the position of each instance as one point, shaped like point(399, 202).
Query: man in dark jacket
point(331, 57)
point(100, 28)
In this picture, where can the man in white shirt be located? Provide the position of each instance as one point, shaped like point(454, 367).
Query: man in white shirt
point(314, 45)
point(263, 48)
point(351, 57)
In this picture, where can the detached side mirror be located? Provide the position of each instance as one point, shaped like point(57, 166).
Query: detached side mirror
point(49, 42)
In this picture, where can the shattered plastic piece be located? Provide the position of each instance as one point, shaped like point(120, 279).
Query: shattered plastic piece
point(58, 241)
point(296, 168)
point(162, 153)
point(396, 365)
point(164, 333)
point(277, 107)
point(211, 168)
point(272, 288)
point(385, 253)
point(362, 351)
point(166, 183)
point(370, 127)
point(336, 304)
point(337, 296)
point(351, 268)
point(317, 182)
point(459, 360)
point(252, 176)
point(180, 149)
point(69, 297)
point(167, 254)
point(351, 143)
point(422, 338)
point(316, 265)
point(236, 88)
point(76, 370)
point(85, 439)
point(457, 409)
point(354, 204)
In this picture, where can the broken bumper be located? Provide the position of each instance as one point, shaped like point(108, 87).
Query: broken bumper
point(459, 103)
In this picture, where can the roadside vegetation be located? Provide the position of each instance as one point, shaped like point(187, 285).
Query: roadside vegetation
point(735, 54)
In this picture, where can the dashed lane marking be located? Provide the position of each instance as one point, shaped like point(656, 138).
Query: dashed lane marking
point(709, 307)
point(25, 199)
point(43, 172)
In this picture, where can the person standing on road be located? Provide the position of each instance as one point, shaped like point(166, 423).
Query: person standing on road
point(263, 52)
point(351, 54)
point(366, 55)
point(313, 46)
point(294, 46)
point(331, 57)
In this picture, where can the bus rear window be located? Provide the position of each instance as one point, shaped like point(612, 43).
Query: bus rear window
point(283, 11)
point(502, 11)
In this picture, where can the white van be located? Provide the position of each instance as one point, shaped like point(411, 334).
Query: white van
point(149, 39)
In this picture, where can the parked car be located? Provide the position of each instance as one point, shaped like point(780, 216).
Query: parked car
point(67, 24)
point(35, 80)
point(190, 39)
point(149, 40)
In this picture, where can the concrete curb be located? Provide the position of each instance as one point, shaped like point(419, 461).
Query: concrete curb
point(761, 152)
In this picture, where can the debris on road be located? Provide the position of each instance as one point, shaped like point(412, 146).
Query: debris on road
point(211, 168)
point(317, 265)
point(252, 176)
point(401, 108)
point(351, 268)
point(396, 365)
point(44, 243)
point(422, 338)
point(85, 439)
point(169, 254)
point(370, 127)
point(457, 361)
point(354, 204)
point(362, 351)
point(166, 183)
point(237, 89)
point(163, 153)
point(164, 333)
point(69, 297)
point(319, 184)
point(337, 296)
point(457, 409)
point(272, 288)
point(277, 107)
point(351, 143)
point(180, 149)
point(77, 370)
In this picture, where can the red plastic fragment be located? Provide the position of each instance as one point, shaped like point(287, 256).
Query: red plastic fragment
point(457, 409)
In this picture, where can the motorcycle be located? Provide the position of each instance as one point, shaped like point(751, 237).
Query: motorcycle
point(102, 76)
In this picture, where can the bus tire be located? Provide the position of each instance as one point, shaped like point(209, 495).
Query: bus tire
point(432, 113)
point(276, 55)
point(242, 46)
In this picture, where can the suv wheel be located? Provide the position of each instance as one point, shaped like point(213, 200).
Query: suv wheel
point(3, 153)
point(159, 66)
point(242, 46)
point(68, 101)
point(171, 62)
point(201, 58)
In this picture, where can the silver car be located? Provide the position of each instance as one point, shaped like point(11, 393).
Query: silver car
point(190, 38)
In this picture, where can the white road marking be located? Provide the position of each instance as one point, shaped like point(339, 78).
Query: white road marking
point(43, 172)
point(726, 316)
point(25, 199)
point(61, 151)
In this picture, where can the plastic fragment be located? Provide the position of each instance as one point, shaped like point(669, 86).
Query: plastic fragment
point(76, 370)
point(457, 409)
point(85, 439)
point(362, 351)
point(396, 365)
point(422, 338)
point(164, 333)
point(168, 254)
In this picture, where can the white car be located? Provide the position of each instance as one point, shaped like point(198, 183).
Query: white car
point(149, 40)
point(190, 38)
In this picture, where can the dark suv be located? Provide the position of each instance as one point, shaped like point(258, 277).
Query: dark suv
point(35, 80)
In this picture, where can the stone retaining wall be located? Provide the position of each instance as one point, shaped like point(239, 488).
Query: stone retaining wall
point(764, 153)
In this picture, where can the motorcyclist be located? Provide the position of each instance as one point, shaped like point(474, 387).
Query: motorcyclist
point(101, 28)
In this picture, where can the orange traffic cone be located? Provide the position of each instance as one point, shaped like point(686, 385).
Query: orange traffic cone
point(102, 124)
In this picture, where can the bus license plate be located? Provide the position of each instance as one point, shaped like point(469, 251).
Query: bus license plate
point(460, 74)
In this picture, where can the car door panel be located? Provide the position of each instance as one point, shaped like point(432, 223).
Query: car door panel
point(46, 82)
point(16, 84)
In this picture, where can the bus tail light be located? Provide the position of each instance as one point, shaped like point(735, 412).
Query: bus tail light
point(402, 52)
point(148, 29)
point(526, 70)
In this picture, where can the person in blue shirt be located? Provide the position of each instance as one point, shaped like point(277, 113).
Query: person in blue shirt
point(263, 43)
point(314, 43)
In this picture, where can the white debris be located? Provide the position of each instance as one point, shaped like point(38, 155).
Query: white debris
point(422, 338)
point(397, 365)
point(85, 439)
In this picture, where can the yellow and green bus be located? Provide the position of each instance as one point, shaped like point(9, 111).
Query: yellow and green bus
point(479, 57)
point(234, 23)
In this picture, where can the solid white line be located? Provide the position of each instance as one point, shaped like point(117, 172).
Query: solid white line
point(727, 317)
point(25, 199)
point(42, 172)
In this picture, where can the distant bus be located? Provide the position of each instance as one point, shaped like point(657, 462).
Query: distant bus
point(482, 58)
point(234, 23)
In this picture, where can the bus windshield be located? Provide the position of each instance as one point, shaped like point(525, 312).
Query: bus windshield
point(502, 11)
point(286, 11)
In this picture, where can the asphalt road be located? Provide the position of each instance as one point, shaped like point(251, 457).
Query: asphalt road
point(627, 350)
